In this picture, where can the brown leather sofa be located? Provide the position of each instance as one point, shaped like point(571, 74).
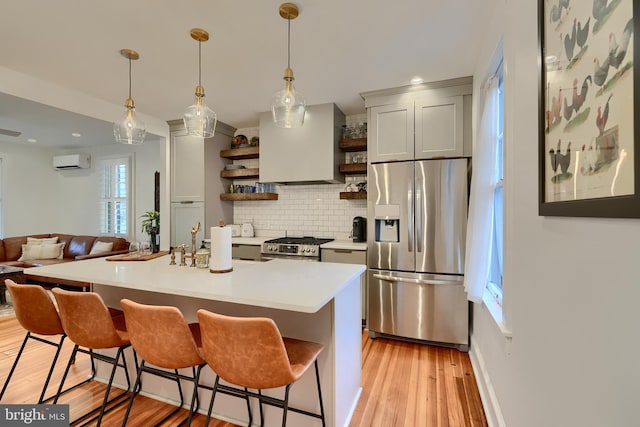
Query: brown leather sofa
point(77, 247)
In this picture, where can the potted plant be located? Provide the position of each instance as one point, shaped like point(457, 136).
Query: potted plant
point(151, 226)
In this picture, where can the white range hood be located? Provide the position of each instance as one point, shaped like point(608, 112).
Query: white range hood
point(305, 155)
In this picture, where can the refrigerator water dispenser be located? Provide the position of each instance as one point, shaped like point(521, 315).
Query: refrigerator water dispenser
point(387, 225)
point(387, 230)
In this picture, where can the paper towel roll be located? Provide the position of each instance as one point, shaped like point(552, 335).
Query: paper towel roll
point(220, 261)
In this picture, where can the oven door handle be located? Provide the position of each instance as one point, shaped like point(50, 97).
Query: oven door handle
point(416, 281)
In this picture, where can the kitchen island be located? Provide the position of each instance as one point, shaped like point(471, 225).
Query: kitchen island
point(308, 300)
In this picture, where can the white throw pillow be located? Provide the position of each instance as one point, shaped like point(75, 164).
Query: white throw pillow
point(43, 241)
point(101, 247)
point(50, 251)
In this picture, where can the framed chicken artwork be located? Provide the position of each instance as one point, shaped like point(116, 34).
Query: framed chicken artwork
point(589, 164)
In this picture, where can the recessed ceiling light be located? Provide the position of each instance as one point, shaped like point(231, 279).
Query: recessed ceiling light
point(76, 134)
point(32, 140)
point(417, 80)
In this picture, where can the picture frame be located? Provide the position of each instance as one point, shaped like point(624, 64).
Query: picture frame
point(589, 158)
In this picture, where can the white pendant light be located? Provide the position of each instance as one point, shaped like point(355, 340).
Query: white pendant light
point(288, 105)
point(129, 129)
point(199, 119)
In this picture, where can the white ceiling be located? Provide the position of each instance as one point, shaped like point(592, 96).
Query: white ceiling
point(339, 49)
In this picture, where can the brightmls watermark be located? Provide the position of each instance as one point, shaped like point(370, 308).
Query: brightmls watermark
point(34, 415)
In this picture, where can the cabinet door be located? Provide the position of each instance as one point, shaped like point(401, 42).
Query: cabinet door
point(246, 252)
point(346, 256)
point(187, 168)
point(439, 128)
point(183, 217)
point(391, 132)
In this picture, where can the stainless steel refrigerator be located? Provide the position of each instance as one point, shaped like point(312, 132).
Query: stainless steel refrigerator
point(416, 235)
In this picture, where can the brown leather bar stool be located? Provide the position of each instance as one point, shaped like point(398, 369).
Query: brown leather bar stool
point(161, 337)
point(36, 313)
point(250, 352)
point(89, 323)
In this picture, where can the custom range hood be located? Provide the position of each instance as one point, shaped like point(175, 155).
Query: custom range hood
point(304, 155)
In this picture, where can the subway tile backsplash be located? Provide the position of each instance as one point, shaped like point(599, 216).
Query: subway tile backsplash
point(302, 210)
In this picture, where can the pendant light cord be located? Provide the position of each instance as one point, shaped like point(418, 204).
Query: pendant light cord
point(199, 63)
point(289, 41)
point(129, 76)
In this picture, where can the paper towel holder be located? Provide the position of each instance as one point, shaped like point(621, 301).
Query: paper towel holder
point(215, 271)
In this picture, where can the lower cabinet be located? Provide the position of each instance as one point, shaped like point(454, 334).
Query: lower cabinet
point(350, 256)
point(246, 252)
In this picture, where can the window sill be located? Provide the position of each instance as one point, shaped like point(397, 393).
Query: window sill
point(495, 310)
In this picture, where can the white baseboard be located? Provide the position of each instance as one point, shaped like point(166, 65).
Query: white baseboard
point(487, 394)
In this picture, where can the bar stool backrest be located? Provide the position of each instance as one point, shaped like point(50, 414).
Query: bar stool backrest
point(87, 321)
point(246, 351)
point(161, 335)
point(34, 309)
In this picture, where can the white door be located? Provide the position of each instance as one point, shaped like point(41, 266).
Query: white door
point(184, 217)
point(390, 132)
point(439, 128)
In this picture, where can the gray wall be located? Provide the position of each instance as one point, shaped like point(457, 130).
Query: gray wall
point(39, 199)
point(571, 286)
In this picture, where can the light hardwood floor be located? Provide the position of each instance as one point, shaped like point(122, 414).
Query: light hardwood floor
point(404, 385)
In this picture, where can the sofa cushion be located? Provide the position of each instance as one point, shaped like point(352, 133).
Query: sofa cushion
point(101, 247)
point(42, 241)
point(13, 247)
point(44, 251)
point(119, 243)
point(78, 245)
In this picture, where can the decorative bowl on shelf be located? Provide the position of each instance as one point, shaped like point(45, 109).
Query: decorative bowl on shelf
point(233, 167)
point(239, 141)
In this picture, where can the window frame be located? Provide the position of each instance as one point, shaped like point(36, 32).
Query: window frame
point(112, 161)
point(494, 292)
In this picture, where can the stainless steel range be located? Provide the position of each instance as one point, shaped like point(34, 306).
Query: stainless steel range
point(300, 248)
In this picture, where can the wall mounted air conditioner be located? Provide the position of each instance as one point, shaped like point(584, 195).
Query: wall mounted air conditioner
point(72, 161)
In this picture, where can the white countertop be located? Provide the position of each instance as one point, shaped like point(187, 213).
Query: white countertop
point(336, 244)
point(255, 241)
point(281, 284)
point(345, 244)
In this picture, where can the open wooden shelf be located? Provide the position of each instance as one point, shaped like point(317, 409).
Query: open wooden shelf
point(240, 173)
point(237, 197)
point(241, 153)
point(353, 168)
point(356, 144)
point(359, 195)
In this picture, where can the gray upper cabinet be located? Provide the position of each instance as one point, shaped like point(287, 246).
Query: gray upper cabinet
point(407, 124)
point(438, 127)
point(187, 167)
point(390, 132)
point(195, 169)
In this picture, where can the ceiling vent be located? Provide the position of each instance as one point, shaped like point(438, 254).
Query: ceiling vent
point(72, 161)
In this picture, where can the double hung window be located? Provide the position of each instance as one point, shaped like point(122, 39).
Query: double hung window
point(115, 196)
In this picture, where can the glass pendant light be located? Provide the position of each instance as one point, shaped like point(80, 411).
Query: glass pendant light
point(199, 119)
point(129, 129)
point(288, 105)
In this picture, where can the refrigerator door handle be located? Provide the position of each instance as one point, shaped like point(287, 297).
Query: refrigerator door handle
point(409, 221)
point(416, 281)
point(418, 221)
